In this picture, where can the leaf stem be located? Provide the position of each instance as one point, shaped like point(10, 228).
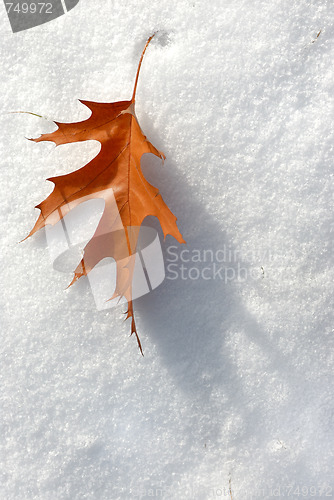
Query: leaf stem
point(139, 65)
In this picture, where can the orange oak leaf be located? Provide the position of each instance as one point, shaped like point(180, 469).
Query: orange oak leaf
point(115, 175)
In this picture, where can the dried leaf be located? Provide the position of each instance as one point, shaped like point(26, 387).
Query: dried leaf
point(116, 173)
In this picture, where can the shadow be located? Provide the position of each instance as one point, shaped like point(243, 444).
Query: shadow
point(232, 371)
point(193, 314)
point(196, 321)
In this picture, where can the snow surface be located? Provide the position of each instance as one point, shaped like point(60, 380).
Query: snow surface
point(236, 385)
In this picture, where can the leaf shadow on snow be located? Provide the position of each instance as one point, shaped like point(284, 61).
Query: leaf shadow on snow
point(192, 323)
point(192, 320)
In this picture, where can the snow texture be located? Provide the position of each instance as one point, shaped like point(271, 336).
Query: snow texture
point(236, 385)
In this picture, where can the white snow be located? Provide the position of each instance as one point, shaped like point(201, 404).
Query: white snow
point(236, 384)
